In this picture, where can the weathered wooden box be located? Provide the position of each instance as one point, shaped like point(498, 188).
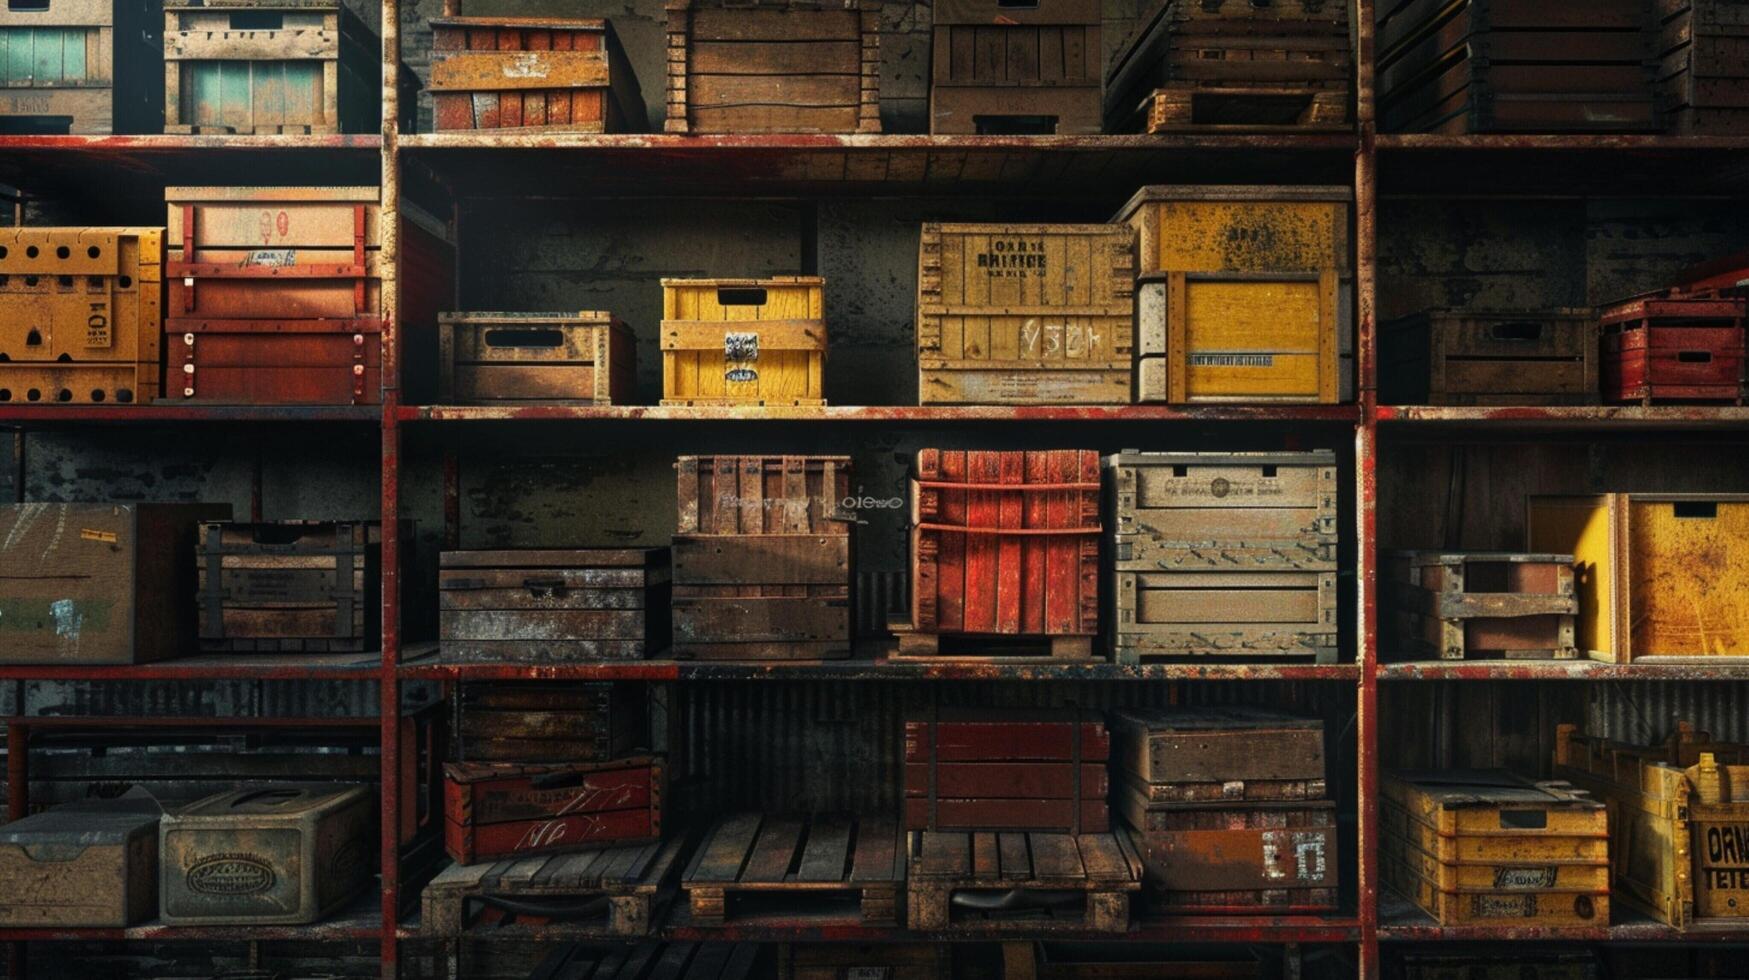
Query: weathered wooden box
point(267, 855)
point(774, 66)
point(1004, 551)
point(552, 722)
point(1677, 813)
point(552, 605)
point(1674, 348)
point(1002, 68)
point(290, 586)
point(743, 341)
point(587, 357)
point(59, 61)
point(1025, 314)
point(1244, 294)
point(1234, 66)
point(98, 583)
point(1481, 847)
point(80, 314)
point(1703, 66)
point(559, 74)
point(81, 864)
point(837, 869)
point(1479, 604)
point(256, 67)
point(1498, 66)
point(1482, 357)
point(1229, 753)
point(1007, 771)
point(1643, 595)
point(1028, 883)
point(511, 811)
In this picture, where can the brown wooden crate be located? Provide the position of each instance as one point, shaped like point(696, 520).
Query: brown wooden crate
point(289, 585)
point(587, 357)
point(552, 722)
point(997, 74)
point(1472, 605)
point(81, 864)
point(1225, 745)
point(550, 73)
point(1226, 857)
point(553, 605)
point(763, 494)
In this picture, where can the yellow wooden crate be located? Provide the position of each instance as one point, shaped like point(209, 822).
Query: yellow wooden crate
point(1465, 908)
point(743, 341)
point(1658, 575)
point(1244, 295)
point(1493, 816)
point(1499, 876)
point(1592, 848)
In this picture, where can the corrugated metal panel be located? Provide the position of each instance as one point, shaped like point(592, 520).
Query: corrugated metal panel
point(1644, 711)
point(202, 699)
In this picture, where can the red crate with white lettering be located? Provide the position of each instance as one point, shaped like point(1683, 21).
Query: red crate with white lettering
point(496, 810)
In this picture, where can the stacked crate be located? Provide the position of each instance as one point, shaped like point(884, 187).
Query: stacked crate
point(59, 61)
point(558, 74)
point(762, 558)
point(1674, 348)
point(1475, 604)
point(1234, 65)
point(1488, 847)
point(1703, 66)
point(1222, 555)
point(1230, 808)
point(1001, 68)
point(744, 341)
point(1490, 357)
point(290, 586)
point(553, 605)
point(998, 771)
point(81, 864)
point(268, 67)
point(1515, 66)
point(80, 310)
point(584, 358)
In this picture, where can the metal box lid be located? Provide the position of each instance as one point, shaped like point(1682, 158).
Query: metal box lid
point(90, 824)
point(259, 805)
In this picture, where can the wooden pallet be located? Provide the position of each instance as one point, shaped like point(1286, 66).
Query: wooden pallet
point(613, 890)
point(1032, 883)
point(752, 866)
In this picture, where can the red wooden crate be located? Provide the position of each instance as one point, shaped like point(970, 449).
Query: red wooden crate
point(998, 771)
point(1673, 348)
point(320, 362)
point(494, 811)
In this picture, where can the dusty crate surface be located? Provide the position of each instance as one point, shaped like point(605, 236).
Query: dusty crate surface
point(1491, 357)
point(594, 721)
point(1670, 348)
point(1001, 69)
point(587, 358)
point(559, 74)
point(1231, 856)
point(553, 605)
point(1007, 770)
point(496, 811)
point(754, 867)
point(611, 890)
point(1021, 882)
point(81, 864)
point(1703, 66)
point(299, 586)
point(1196, 754)
point(1480, 604)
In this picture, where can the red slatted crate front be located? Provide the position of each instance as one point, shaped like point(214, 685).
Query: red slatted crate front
point(1673, 348)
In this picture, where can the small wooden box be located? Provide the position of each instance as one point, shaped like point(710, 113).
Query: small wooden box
point(1025, 314)
point(1007, 771)
point(743, 341)
point(290, 586)
point(1674, 348)
point(774, 66)
point(259, 67)
point(267, 856)
point(554, 722)
point(81, 864)
point(1476, 357)
point(1244, 294)
point(80, 314)
point(99, 583)
point(1480, 847)
point(511, 811)
point(1703, 66)
point(587, 357)
point(999, 68)
point(1478, 604)
point(546, 606)
point(59, 61)
point(1643, 593)
point(558, 74)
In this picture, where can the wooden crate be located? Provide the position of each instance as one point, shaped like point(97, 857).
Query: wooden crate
point(80, 313)
point(743, 341)
point(1675, 824)
point(262, 67)
point(1234, 67)
point(60, 62)
point(1033, 883)
point(1477, 605)
point(1005, 554)
point(1498, 66)
point(582, 358)
point(1507, 849)
point(290, 586)
point(266, 855)
point(829, 868)
point(1487, 357)
point(1025, 314)
point(617, 891)
point(81, 864)
point(1245, 294)
point(509, 811)
point(1006, 771)
point(755, 495)
point(1233, 857)
point(1644, 595)
point(1703, 66)
point(864, 961)
point(774, 66)
point(1674, 348)
point(652, 961)
point(552, 722)
point(557, 74)
point(98, 583)
point(999, 68)
point(1233, 752)
point(553, 605)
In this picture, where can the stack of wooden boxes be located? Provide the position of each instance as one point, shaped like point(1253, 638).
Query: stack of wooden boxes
point(1488, 847)
point(762, 558)
point(507, 358)
point(1703, 66)
point(746, 342)
point(553, 605)
point(290, 586)
point(1224, 65)
point(1230, 808)
point(1223, 554)
point(1475, 604)
point(62, 59)
point(80, 312)
point(558, 74)
point(1669, 347)
point(1001, 68)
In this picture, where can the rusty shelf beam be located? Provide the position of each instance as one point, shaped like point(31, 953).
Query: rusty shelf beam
point(1563, 417)
point(1721, 669)
point(1342, 414)
point(258, 667)
point(50, 415)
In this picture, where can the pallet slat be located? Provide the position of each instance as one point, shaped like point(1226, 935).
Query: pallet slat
point(752, 866)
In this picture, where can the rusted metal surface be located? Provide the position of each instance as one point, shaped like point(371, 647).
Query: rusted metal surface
point(883, 670)
point(883, 413)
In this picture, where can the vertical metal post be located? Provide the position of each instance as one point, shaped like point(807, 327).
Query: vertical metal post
point(389, 227)
point(17, 768)
point(452, 497)
point(1366, 487)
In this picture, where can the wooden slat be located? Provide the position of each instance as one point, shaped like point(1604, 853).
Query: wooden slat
point(774, 851)
point(722, 858)
point(823, 859)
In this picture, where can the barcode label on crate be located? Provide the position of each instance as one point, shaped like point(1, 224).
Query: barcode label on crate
point(1233, 360)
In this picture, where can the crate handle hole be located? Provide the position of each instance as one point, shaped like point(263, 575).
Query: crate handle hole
point(1700, 510)
point(125, 281)
point(1269, 472)
point(543, 337)
point(124, 395)
point(97, 394)
point(93, 252)
point(1695, 356)
point(5, 394)
point(257, 20)
point(64, 358)
point(1015, 125)
point(32, 252)
point(276, 534)
point(1180, 471)
point(1524, 819)
point(27, 4)
point(1017, 4)
point(740, 296)
point(1517, 330)
point(34, 338)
